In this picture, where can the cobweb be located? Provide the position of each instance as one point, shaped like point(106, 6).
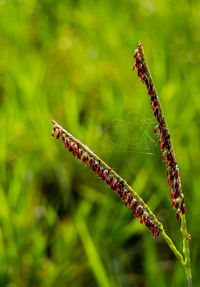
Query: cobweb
point(131, 132)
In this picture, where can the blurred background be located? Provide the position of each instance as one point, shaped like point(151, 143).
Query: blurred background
point(72, 61)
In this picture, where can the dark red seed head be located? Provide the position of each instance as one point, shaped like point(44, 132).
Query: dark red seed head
point(111, 180)
point(114, 184)
point(178, 214)
point(133, 204)
point(177, 203)
point(94, 166)
point(148, 222)
point(91, 162)
point(71, 146)
point(176, 194)
point(182, 207)
point(128, 199)
point(139, 211)
point(155, 232)
point(136, 53)
point(121, 183)
point(172, 195)
point(119, 192)
point(78, 154)
point(155, 130)
point(59, 134)
point(147, 82)
point(124, 193)
point(85, 158)
point(100, 171)
point(104, 175)
point(66, 143)
point(177, 173)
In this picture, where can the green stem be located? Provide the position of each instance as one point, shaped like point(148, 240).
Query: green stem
point(172, 247)
point(189, 280)
point(186, 261)
point(186, 249)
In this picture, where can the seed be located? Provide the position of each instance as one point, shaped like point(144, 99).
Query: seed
point(178, 214)
point(133, 204)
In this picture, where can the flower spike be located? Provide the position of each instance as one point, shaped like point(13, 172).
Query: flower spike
point(111, 178)
point(161, 131)
point(168, 156)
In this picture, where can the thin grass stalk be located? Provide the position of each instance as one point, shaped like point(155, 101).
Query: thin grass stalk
point(168, 155)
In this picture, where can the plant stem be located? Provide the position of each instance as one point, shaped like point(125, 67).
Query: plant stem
point(166, 146)
point(186, 249)
point(189, 280)
point(172, 247)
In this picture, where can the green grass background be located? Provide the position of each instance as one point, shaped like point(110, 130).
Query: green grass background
point(72, 61)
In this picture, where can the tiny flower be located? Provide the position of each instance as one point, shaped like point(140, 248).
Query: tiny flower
point(119, 192)
point(133, 204)
point(155, 232)
point(124, 194)
point(139, 211)
point(183, 207)
point(85, 158)
point(71, 146)
point(79, 153)
point(111, 179)
point(177, 173)
point(100, 171)
point(178, 214)
point(114, 185)
point(108, 180)
point(129, 199)
point(66, 143)
point(172, 195)
point(104, 175)
point(91, 162)
point(59, 134)
point(175, 204)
